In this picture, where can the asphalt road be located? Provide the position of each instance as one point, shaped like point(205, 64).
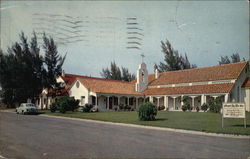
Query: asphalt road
point(35, 137)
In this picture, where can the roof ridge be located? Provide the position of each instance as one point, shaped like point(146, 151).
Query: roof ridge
point(104, 79)
point(202, 67)
point(194, 85)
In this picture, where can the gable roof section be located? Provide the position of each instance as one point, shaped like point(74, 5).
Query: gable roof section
point(99, 85)
point(70, 78)
point(212, 73)
point(246, 83)
point(195, 89)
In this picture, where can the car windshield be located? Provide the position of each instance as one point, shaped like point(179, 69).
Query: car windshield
point(30, 105)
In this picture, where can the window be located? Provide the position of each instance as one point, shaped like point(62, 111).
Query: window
point(62, 84)
point(77, 84)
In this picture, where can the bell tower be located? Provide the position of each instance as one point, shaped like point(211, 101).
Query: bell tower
point(142, 78)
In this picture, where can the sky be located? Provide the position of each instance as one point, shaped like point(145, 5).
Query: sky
point(95, 33)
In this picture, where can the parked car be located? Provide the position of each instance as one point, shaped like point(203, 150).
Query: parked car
point(26, 108)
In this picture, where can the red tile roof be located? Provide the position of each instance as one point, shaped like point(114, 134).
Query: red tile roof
point(212, 73)
point(246, 82)
point(70, 78)
point(195, 89)
point(61, 92)
point(109, 86)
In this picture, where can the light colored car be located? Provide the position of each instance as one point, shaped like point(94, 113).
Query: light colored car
point(26, 108)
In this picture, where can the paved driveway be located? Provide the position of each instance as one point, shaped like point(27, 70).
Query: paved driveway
point(30, 136)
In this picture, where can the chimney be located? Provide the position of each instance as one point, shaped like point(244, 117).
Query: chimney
point(157, 74)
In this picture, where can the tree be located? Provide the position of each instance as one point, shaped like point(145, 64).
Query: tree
point(224, 60)
point(53, 63)
point(234, 58)
point(115, 73)
point(126, 76)
point(172, 59)
point(22, 69)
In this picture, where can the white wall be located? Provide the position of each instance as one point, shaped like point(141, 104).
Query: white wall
point(77, 93)
point(238, 83)
point(246, 98)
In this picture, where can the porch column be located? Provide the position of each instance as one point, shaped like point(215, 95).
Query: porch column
point(214, 97)
point(136, 102)
point(48, 102)
point(174, 102)
point(193, 102)
point(40, 102)
point(118, 100)
point(166, 102)
point(193, 97)
point(127, 100)
point(107, 102)
point(226, 98)
point(151, 99)
point(158, 102)
point(96, 100)
point(202, 99)
point(182, 100)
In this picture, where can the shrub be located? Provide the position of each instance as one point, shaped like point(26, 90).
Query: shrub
point(184, 108)
point(65, 104)
point(162, 107)
point(126, 107)
point(215, 105)
point(204, 107)
point(189, 107)
point(187, 103)
point(53, 107)
point(197, 109)
point(147, 111)
point(63, 107)
point(73, 104)
point(87, 107)
point(121, 106)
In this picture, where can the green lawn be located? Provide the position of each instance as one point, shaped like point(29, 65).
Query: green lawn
point(206, 122)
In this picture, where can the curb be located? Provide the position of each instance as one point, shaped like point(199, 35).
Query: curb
point(154, 128)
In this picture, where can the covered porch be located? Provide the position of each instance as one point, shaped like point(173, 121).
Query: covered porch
point(175, 102)
point(109, 102)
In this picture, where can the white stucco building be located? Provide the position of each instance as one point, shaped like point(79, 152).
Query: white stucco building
point(230, 82)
